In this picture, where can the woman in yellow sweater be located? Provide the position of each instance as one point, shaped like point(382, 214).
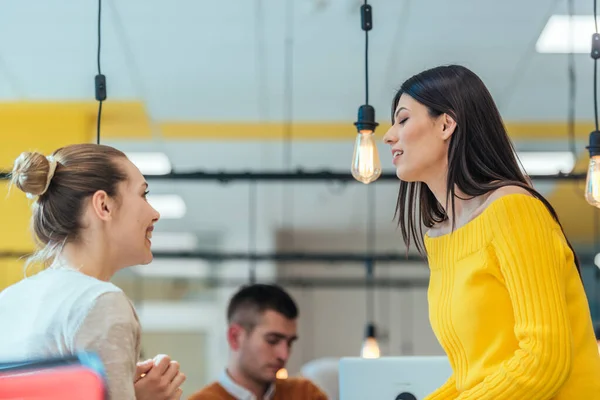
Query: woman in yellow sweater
point(506, 300)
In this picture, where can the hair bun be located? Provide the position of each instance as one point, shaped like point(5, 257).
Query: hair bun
point(30, 173)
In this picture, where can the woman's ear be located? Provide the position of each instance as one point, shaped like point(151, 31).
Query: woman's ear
point(448, 126)
point(102, 205)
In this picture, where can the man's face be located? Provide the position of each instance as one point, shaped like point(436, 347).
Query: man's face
point(266, 349)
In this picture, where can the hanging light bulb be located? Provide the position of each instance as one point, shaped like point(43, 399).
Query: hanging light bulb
point(592, 184)
point(366, 166)
point(370, 348)
point(282, 374)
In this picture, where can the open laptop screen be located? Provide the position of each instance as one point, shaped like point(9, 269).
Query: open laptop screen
point(392, 378)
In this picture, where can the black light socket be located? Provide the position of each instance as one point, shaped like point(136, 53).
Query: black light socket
point(594, 146)
point(366, 118)
point(370, 331)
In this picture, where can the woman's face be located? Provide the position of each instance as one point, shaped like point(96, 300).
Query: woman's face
point(419, 142)
point(130, 232)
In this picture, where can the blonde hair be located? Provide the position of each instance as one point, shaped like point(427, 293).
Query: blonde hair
point(59, 184)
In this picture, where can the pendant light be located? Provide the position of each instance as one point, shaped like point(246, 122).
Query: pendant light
point(366, 166)
point(592, 184)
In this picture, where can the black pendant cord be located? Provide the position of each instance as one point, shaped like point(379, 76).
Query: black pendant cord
point(366, 13)
point(370, 263)
point(367, 57)
point(99, 80)
point(595, 55)
point(252, 211)
point(572, 81)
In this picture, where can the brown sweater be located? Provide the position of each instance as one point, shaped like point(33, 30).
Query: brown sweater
point(288, 389)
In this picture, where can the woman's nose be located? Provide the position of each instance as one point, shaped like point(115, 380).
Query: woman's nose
point(389, 137)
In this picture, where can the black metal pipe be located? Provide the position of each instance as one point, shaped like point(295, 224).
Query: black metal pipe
point(329, 283)
point(351, 258)
point(359, 259)
point(300, 176)
point(303, 176)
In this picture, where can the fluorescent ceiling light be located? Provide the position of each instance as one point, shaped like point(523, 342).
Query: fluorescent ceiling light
point(174, 241)
point(151, 163)
point(174, 268)
point(170, 206)
point(546, 162)
point(556, 35)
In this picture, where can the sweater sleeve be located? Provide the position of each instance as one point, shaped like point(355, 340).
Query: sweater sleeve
point(533, 256)
point(112, 331)
point(315, 392)
point(214, 391)
point(445, 392)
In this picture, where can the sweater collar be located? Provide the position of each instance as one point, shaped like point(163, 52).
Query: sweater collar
point(240, 392)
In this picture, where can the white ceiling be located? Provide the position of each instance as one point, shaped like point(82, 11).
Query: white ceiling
point(193, 60)
point(224, 60)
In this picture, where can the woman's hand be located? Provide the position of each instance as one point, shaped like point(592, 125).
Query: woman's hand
point(158, 379)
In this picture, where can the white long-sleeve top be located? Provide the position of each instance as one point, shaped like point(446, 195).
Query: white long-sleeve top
point(62, 311)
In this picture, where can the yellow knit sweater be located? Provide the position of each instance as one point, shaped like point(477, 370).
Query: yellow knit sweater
point(508, 306)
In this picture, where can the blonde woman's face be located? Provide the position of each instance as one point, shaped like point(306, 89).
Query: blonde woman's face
point(131, 229)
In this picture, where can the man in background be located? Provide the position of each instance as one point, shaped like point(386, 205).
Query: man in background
point(261, 330)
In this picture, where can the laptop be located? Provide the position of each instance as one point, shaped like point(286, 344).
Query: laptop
point(392, 378)
point(73, 377)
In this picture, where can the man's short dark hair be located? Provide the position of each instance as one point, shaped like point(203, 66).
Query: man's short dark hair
point(252, 300)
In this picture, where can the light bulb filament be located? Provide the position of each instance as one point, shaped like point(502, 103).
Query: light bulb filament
point(592, 185)
point(282, 374)
point(370, 348)
point(366, 166)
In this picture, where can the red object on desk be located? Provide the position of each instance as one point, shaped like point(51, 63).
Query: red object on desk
point(73, 382)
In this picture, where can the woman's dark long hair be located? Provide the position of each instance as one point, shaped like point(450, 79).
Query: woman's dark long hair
point(481, 156)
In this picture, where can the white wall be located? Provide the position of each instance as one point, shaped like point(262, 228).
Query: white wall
point(195, 311)
point(332, 324)
point(187, 347)
point(332, 320)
